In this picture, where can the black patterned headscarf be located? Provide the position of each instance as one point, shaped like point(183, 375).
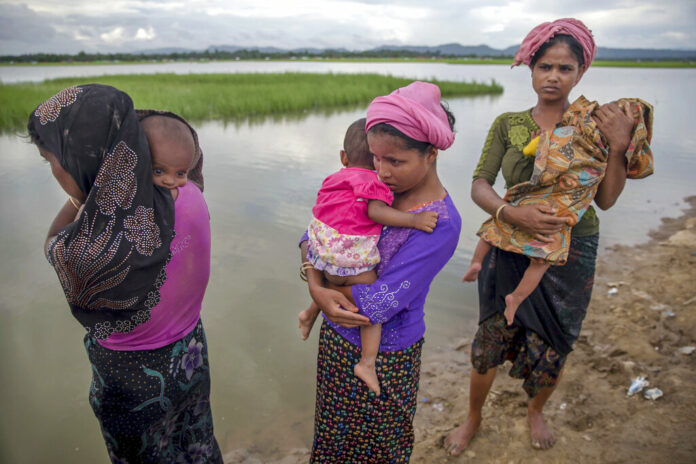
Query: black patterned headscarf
point(111, 260)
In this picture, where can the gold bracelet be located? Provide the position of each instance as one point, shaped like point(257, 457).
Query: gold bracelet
point(75, 203)
point(303, 270)
point(497, 212)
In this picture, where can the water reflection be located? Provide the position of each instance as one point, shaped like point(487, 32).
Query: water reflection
point(261, 181)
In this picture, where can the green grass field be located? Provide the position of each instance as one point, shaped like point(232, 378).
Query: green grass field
point(201, 97)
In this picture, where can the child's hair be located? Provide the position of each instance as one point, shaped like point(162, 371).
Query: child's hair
point(355, 144)
point(165, 126)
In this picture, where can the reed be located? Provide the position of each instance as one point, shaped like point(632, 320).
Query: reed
point(200, 97)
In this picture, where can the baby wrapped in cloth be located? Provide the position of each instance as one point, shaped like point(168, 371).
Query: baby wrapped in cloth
point(570, 164)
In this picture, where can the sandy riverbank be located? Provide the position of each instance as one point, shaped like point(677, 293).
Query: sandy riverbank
point(637, 331)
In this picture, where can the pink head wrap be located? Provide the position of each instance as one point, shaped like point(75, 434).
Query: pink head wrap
point(415, 111)
point(545, 31)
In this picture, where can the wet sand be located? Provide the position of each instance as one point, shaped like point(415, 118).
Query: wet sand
point(637, 331)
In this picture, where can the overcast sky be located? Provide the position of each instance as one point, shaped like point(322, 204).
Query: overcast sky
point(60, 26)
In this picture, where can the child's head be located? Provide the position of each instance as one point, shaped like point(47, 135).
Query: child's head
point(172, 149)
point(355, 151)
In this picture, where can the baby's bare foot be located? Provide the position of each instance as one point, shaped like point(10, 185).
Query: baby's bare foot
point(512, 302)
point(459, 438)
point(472, 273)
point(541, 436)
point(367, 373)
point(306, 322)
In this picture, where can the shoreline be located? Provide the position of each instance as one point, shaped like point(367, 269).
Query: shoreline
point(637, 331)
point(657, 64)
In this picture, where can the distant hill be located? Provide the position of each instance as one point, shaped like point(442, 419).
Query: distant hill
point(603, 53)
point(165, 51)
point(385, 51)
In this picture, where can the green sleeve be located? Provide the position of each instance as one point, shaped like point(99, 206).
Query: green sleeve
point(493, 151)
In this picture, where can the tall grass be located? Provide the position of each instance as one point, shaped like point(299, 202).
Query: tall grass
point(227, 96)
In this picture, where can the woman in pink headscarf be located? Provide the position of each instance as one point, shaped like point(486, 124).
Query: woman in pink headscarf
point(548, 322)
point(405, 132)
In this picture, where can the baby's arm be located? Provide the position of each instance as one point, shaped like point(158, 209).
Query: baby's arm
point(382, 213)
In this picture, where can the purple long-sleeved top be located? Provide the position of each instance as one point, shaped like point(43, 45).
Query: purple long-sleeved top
point(410, 260)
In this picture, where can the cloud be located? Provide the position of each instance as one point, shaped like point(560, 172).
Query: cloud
point(143, 34)
point(130, 25)
point(114, 36)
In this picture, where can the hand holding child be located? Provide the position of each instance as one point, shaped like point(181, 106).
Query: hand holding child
point(425, 221)
point(616, 124)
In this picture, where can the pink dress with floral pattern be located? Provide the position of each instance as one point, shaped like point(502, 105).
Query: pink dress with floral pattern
point(342, 238)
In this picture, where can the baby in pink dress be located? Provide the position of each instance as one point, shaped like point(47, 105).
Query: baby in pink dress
point(352, 205)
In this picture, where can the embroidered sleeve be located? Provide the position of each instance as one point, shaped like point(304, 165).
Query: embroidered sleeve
point(404, 282)
point(493, 151)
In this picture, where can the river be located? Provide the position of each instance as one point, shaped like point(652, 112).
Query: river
point(261, 181)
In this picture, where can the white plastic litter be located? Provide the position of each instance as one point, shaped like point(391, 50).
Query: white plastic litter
point(652, 394)
point(637, 385)
point(687, 350)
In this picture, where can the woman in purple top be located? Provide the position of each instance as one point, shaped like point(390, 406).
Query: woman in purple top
point(405, 131)
point(134, 265)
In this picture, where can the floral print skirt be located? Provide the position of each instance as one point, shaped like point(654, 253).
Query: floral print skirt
point(153, 406)
point(340, 254)
point(352, 424)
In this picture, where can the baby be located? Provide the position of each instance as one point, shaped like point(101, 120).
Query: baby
point(172, 149)
point(352, 205)
point(570, 164)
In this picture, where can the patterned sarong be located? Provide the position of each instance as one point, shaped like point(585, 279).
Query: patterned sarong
point(569, 166)
point(352, 424)
point(154, 406)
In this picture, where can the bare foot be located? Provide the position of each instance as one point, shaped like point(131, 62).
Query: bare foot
point(459, 438)
point(472, 273)
point(307, 318)
point(512, 302)
point(367, 373)
point(541, 436)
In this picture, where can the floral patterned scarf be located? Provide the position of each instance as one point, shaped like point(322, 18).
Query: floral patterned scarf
point(111, 260)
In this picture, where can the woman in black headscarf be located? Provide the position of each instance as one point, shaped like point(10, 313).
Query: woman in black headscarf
point(110, 246)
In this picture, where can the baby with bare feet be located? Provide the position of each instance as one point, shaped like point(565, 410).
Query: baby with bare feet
point(352, 206)
point(570, 164)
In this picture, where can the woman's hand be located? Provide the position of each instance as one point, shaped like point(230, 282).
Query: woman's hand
point(616, 125)
point(538, 220)
point(337, 308)
point(334, 304)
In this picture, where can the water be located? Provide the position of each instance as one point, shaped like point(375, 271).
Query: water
point(261, 181)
